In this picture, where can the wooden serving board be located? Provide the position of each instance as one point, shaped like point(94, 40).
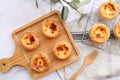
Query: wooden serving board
point(22, 57)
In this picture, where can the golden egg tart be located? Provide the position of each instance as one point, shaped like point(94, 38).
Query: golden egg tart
point(62, 50)
point(40, 62)
point(117, 30)
point(109, 10)
point(29, 41)
point(51, 28)
point(99, 33)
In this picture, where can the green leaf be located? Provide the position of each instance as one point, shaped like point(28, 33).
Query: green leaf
point(74, 4)
point(65, 12)
point(37, 4)
point(54, 1)
point(82, 17)
point(85, 2)
point(75, 1)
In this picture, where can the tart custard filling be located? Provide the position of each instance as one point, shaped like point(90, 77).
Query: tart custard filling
point(62, 50)
point(50, 28)
point(99, 33)
point(117, 30)
point(109, 10)
point(29, 40)
point(39, 63)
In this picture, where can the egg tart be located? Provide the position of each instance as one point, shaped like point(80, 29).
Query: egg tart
point(50, 28)
point(62, 50)
point(40, 62)
point(99, 33)
point(117, 30)
point(109, 10)
point(29, 41)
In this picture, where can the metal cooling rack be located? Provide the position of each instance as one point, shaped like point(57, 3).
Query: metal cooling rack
point(84, 36)
point(112, 45)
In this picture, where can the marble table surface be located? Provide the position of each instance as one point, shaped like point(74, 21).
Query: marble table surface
point(16, 13)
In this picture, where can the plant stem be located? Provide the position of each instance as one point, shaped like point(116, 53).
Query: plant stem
point(37, 4)
point(71, 6)
point(61, 2)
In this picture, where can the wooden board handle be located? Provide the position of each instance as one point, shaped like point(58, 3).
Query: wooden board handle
point(7, 63)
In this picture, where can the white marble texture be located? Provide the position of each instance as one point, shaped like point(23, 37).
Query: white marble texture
point(16, 13)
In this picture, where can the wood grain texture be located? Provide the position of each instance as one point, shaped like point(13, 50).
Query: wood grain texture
point(22, 57)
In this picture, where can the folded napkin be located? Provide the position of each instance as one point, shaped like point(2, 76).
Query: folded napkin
point(107, 64)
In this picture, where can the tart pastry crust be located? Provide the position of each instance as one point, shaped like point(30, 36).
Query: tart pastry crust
point(62, 50)
point(40, 62)
point(109, 10)
point(99, 33)
point(117, 30)
point(50, 28)
point(29, 41)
